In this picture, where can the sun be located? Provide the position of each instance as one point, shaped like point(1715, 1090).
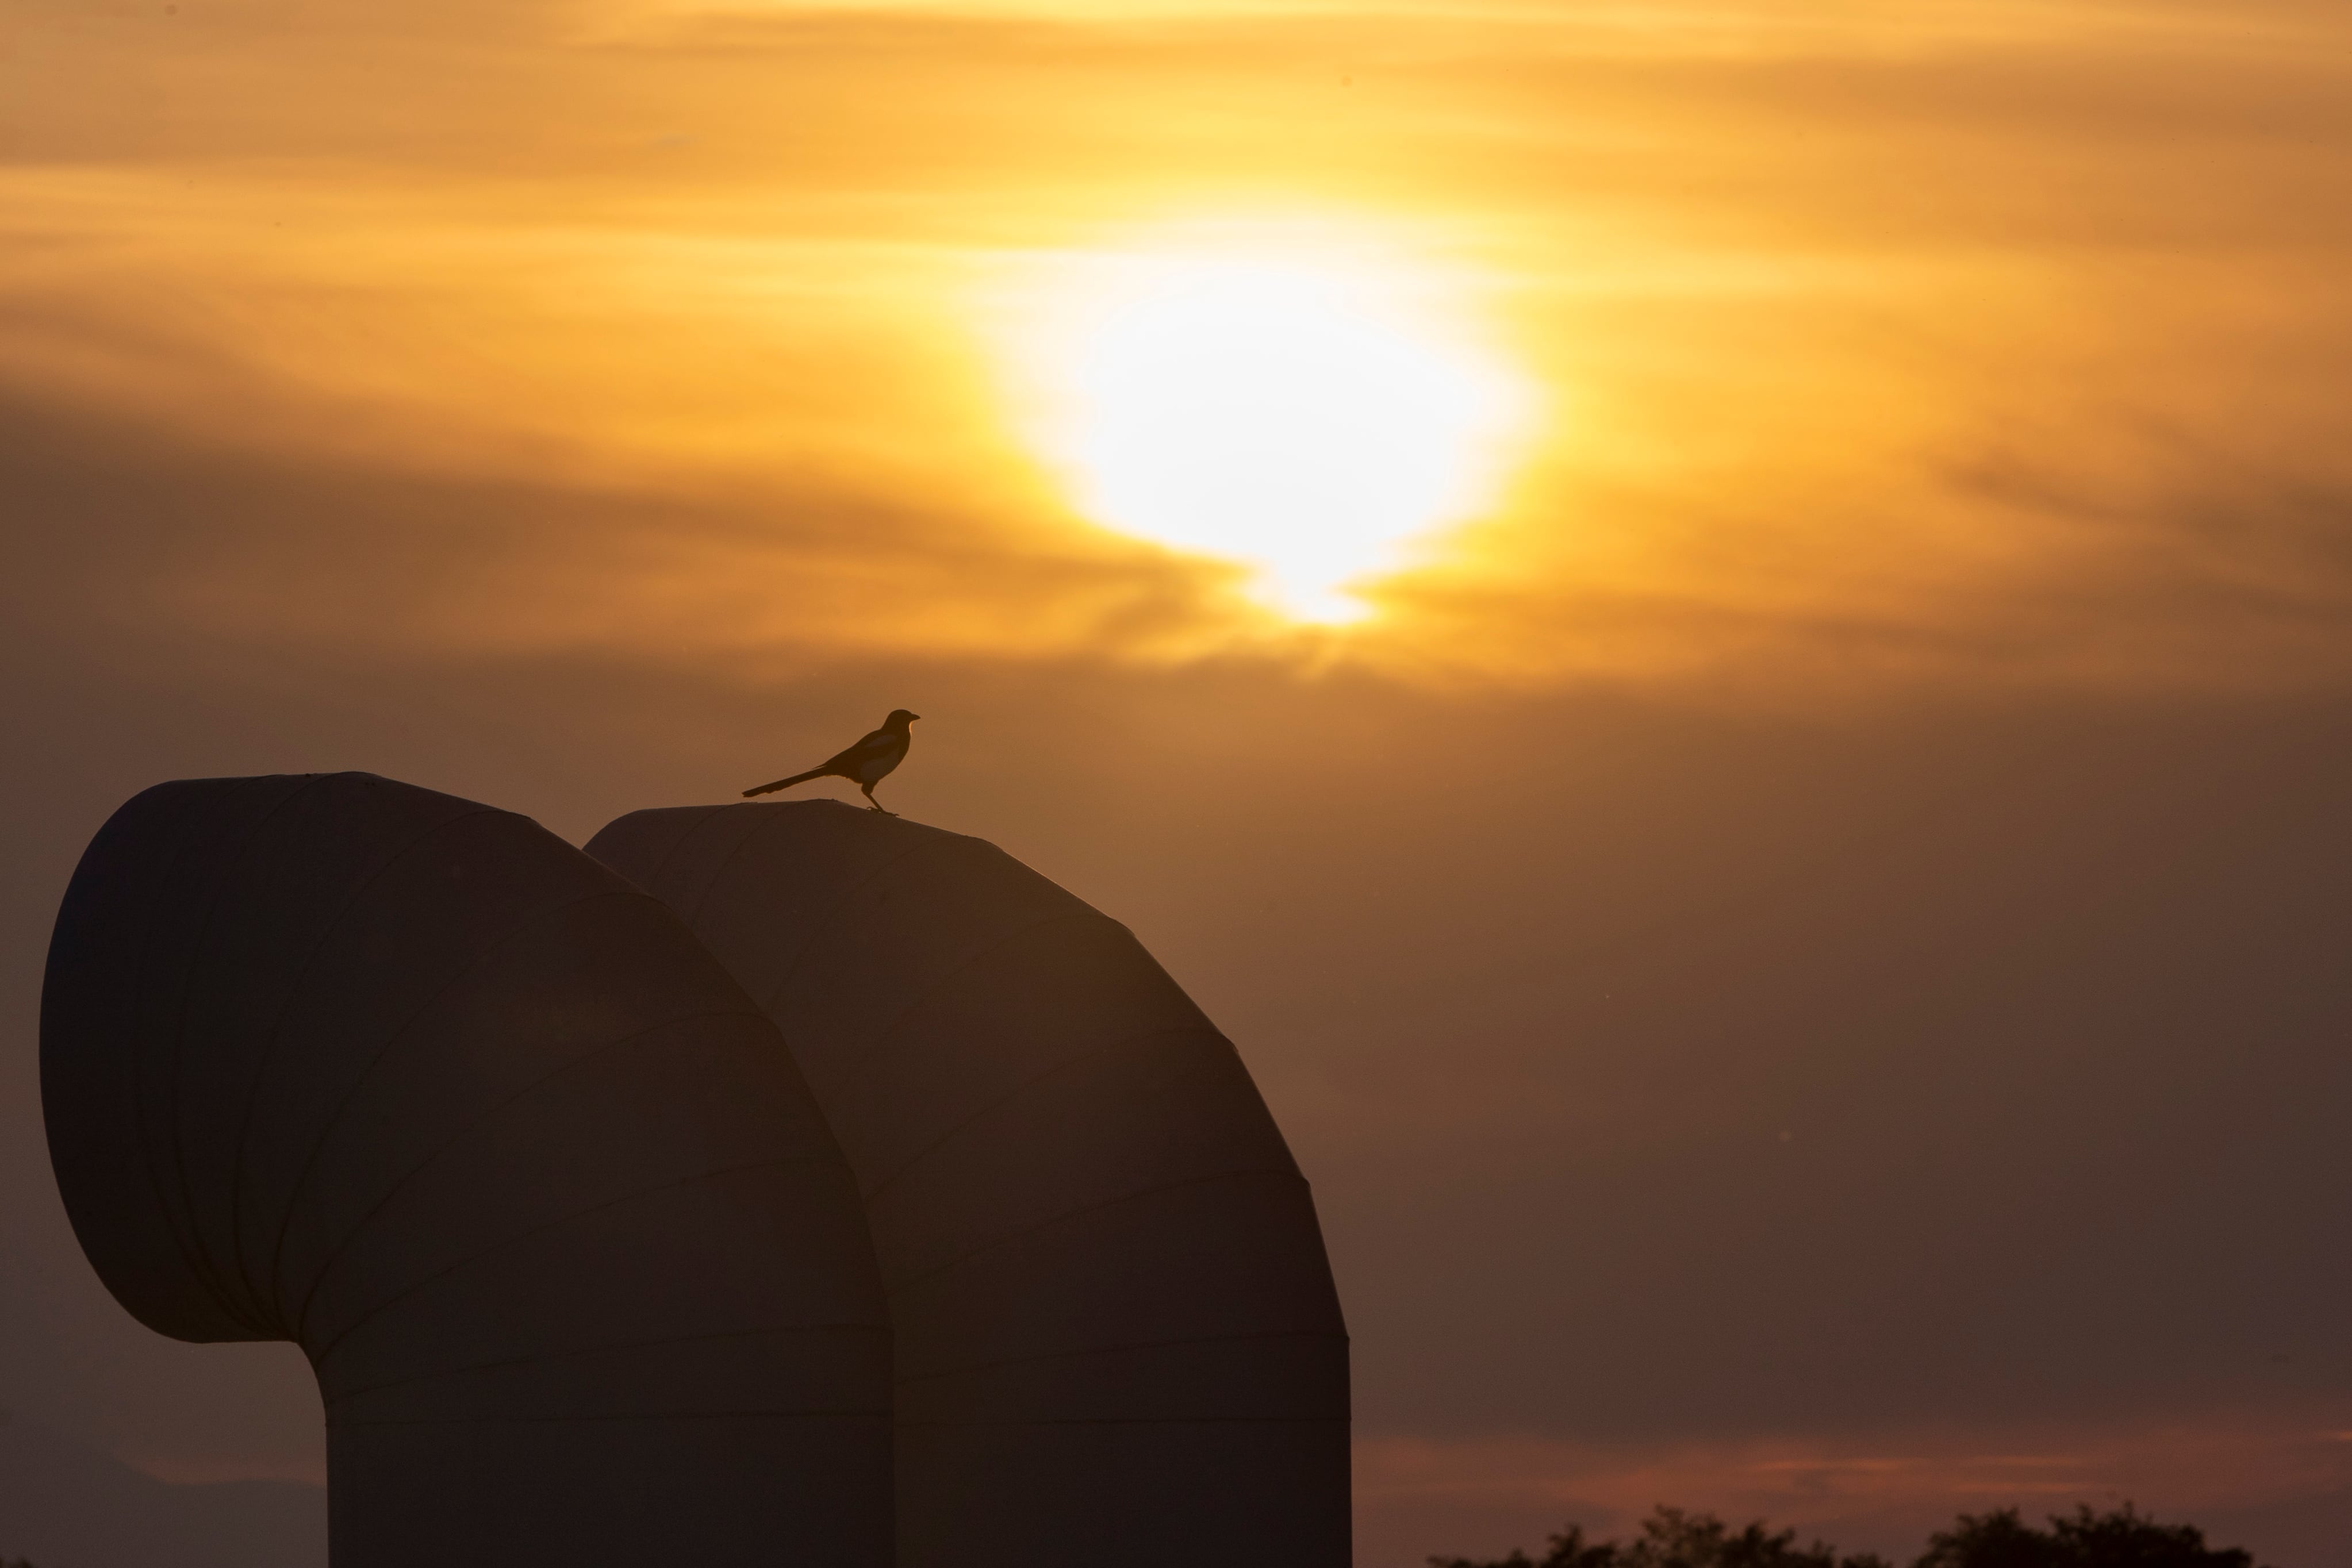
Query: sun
point(1302, 411)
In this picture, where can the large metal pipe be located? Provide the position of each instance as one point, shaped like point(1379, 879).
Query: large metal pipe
point(413, 1083)
point(1117, 1340)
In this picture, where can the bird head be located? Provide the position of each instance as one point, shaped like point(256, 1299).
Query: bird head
point(899, 718)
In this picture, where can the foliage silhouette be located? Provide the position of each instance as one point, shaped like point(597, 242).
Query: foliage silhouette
point(2122, 1539)
point(1670, 1538)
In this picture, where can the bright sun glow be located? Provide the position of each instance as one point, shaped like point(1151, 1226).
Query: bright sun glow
point(1305, 414)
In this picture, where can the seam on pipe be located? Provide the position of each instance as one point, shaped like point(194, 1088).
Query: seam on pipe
point(200, 1257)
point(1026, 1084)
point(932, 987)
point(142, 1136)
point(904, 1379)
point(277, 1027)
point(792, 965)
point(200, 1261)
point(880, 1416)
point(759, 825)
point(763, 823)
point(327, 1265)
point(200, 1265)
point(1153, 1421)
point(661, 866)
point(793, 1328)
point(994, 1242)
point(301, 1181)
point(319, 1357)
point(772, 816)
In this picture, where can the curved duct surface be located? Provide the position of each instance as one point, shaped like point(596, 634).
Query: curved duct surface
point(416, 1085)
point(1117, 1340)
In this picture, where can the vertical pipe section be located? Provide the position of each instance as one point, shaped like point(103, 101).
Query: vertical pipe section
point(414, 1085)
point(1117, 1339)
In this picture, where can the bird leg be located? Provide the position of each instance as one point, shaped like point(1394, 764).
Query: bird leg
point(867, 791)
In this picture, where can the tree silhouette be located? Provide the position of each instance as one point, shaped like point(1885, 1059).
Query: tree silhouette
point(1670, 1538)
point(2122, 1539)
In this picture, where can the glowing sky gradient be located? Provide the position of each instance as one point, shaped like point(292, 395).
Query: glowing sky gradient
point(1299, 410)
point(1796, 925)
point(1878, 341)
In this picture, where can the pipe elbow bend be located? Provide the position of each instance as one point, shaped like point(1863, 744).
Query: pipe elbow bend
point(1117, 1337)
point(416, 1085)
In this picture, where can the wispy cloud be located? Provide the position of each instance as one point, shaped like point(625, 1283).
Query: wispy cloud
point(1961, 344)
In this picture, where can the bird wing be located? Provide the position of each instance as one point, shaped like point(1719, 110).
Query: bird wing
point(875, 744)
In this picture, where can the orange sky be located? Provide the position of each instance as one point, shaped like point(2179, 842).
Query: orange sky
point(1803, 930)
point(1955, 343)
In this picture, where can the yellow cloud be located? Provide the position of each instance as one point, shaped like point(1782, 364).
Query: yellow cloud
point(1963, 343)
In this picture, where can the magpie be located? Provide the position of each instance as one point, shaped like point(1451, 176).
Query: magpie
point(866, 764)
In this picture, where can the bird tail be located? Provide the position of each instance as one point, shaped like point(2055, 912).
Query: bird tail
point(785, 783)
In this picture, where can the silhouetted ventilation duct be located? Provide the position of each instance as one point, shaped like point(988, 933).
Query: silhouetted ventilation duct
point(416, 1085)
point(1117, 1341)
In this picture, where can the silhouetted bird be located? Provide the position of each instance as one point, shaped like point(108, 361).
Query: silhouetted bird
point(866, 764)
